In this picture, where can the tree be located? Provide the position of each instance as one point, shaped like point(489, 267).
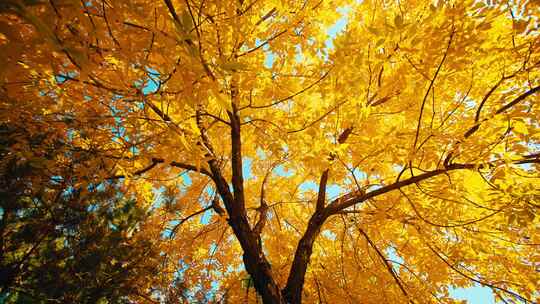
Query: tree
point(386, 163)
point(64, 243)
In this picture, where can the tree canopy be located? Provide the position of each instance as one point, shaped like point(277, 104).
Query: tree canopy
point(66, 243)
point(284, 151)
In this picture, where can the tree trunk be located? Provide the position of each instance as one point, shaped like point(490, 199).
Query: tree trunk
point(295, 283)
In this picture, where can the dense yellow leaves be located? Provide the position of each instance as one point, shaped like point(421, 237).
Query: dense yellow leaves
point(441, 95)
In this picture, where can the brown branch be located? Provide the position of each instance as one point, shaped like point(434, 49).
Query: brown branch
point(108, 25)
point(217, 118)
point(187, 218)
point(470, 222)
point(254, 258)
point(519, 99)
point(342, 138)
point(481, 282)
point(263, 207)
point(263, 210)
point(266, 16)
point(188, 41)
point(262, 44)
point(236, 160)
point(484, 100)
point(356, 197)
point(138, 172)
point(204, 137)
point(306, 126)
point(478, 123)
point(94, 83)
point(321, 196)
point(156, 161)
point(293, 95)
point(295, 282)
point(217, 208)
point(430, 86)
point(386, 264)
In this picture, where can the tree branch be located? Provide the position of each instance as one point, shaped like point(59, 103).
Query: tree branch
point(254, 258)
point(321, 196)
point(481, 282)
point(175, 228)
point(188, 41)
point(430, 86)
point(263, 207)
point(156, 161)
point(292, 95)
point(262, 44)
point(386, 264)
point(236, 160)
point(504, 108)
point(519, 99)
point(295, 282)
point(356, 197)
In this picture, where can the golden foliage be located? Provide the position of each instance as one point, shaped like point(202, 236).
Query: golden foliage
point(435, 186)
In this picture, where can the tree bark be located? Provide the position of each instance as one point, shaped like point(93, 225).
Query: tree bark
point(254, 259)
point(295, 283)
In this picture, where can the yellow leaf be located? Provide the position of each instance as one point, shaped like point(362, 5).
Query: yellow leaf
point(221, 99)
point(521, 127)
point(185, 143)
point(112, 60)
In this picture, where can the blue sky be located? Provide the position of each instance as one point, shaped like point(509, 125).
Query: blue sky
point(476, 294)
